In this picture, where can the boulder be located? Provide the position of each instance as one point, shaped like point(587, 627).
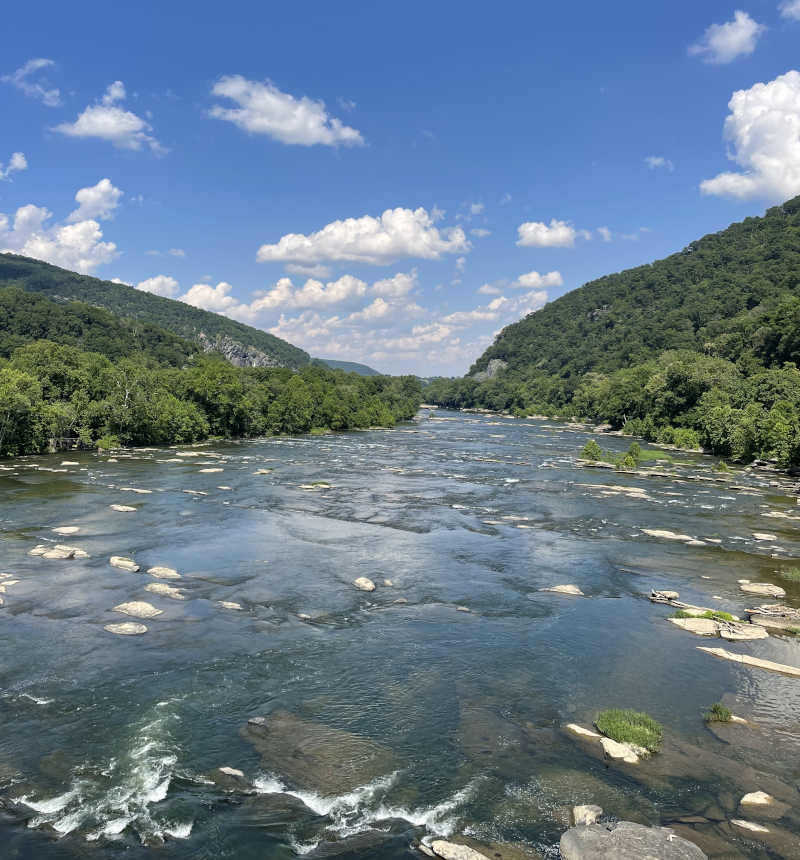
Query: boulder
point(452, 851)
point(764, 536)
point(764, 588)
point(665, 534)
point(124, 563)
point(59, 552)
point(138, 609)
point(629, 753)
point(163, 572)
point(230, 779)
point(39, 549)
point(313, 756)
point(364, 584)
point(126, 628)
point(626, 841)
point(586, 814)
point(165, 590)
point(565, 589)
point(775, 616)
point(124, 509)
point(229, 604)
point(762, 805)
point(663, 596)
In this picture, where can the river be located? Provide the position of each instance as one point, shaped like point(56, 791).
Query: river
point(459, 676)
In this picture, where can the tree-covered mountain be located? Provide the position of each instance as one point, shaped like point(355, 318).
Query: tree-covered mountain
point(701, 347)
point(240, 344)
point(347, 366)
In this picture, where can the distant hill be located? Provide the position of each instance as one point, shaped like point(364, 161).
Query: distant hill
point(27, 317)
point(241, 344)
point(347, 366)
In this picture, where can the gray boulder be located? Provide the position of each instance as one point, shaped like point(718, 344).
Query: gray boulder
point(626, 841)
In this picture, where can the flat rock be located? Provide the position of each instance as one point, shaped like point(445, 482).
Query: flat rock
point(39, 549)
point(700, 626)
point(452, 851)
point(775, 616)
point(58, 552)
point(66, 530)
point(163, 572)
point(586, 813)
point(565, 589)
point(665, 534)
point(629, 753)
point(229, 604)
point(626, 841)
point(124, 563)
point(749, 825)
point(138, 609)
point(764, 536)
point(210, 471)
point(126, 628)
point(364, 584)
point(747, 660)
point(764, 588)
point(165, 590)
point(314, 756)
point(580, 730)
point(124, 509)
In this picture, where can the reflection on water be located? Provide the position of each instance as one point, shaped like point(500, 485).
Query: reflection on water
point(461, 673)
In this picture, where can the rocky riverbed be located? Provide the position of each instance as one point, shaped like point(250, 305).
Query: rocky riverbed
point(378, 644)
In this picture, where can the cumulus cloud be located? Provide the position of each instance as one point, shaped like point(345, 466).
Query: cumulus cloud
point(654, 162)
point(16, 163)
point(106, 120)
point(212, 298)
point(558, 234)
point(315, 271)
point(763, 130)
point(77, 246)
point(97, 201)
point(533, 280)
point(498, 309)
point(29, 80)
point(263, 109)
point(160, 285)
point(790, 9)
point(723, 43)
point(396, 234)
point(398, 285)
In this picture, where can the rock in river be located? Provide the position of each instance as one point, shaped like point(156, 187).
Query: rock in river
point(765, 589)
point(163, 572)
point(125, 509)
point(565, 589)
point(451, 851)
point(626, 841)
point(66, 530)
point(586, 814)
point(126, 628)
point(364, 584)
point(124, 563)
point(138, 609)
point(165, 590)
point(314, 756)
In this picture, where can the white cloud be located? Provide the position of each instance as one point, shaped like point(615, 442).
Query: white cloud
point(211, 298)
point(397, 286)
point(763, 128)
point(489, 290)
point(77, 246)
point(16, 163)
point(120, 281)
point(264, 109)
point(723, 43)
point(96, 201)
point(480, 232)
point(654, 162)
point(533, 280)
point(313, 294)
point(461, 264)
point(27, 80)
point(790, 9)
point(604, 233)
point(106, 120)
point(316, 271)
point(395, 234)
point(160, 285)
point(501, 308)
point(177, 252)
point(558, 234)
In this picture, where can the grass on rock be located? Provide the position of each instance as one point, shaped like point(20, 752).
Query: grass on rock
point(631, 727)
point(713, 614)
point(718, 713)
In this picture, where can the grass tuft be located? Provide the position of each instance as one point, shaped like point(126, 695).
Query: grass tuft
point(718, 713)
point(791, 574)
point(713, 614)
point(631, 727)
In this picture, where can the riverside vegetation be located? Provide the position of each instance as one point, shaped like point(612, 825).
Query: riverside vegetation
point(699, 349)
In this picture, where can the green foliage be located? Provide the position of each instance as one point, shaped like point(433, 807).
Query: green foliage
point(722, 466)
point(107, 442)
point(791, 574)
point(699, 350)
point(718, 713)
point(144, 311)
point(592, 451)
point(346, 366)
point(712, 614)
point(632, 727)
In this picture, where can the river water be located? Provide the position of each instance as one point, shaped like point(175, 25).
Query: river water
point(108, 743)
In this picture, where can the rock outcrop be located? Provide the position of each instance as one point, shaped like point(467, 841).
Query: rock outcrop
point(493, 368)
point(238, 354)
point(626, 841)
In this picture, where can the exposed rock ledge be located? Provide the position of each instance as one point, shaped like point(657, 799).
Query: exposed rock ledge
point(237, 353)
point(626, 841)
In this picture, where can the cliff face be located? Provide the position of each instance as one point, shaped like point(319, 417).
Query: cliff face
point(238, 354)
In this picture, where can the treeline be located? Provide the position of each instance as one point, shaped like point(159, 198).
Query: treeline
point(49, 391)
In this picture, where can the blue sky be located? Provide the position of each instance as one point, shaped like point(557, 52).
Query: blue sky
point(389, 183)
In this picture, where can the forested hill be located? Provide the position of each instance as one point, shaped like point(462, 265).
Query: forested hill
point(699, 349)
point(347, 366)
point(714, 297)
point(239, 343)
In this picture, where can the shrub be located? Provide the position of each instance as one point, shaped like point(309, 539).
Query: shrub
point(107, 442)
point(713, 614)
point(718, 713)
point(792, 574)
point(632, 727)
point(721, 466)
point(591, 451)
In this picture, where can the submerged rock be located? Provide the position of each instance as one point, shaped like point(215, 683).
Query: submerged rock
point(126, 628)
point(138, 609)
point(66, 530)
point(230, 779)
point(124, 563)
point(163, 572)
point(565, 589)
point(165, 590)
point(315, 756)
point(747, 660)
point(749, 825)
point(626, 841)
point(364, 584)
